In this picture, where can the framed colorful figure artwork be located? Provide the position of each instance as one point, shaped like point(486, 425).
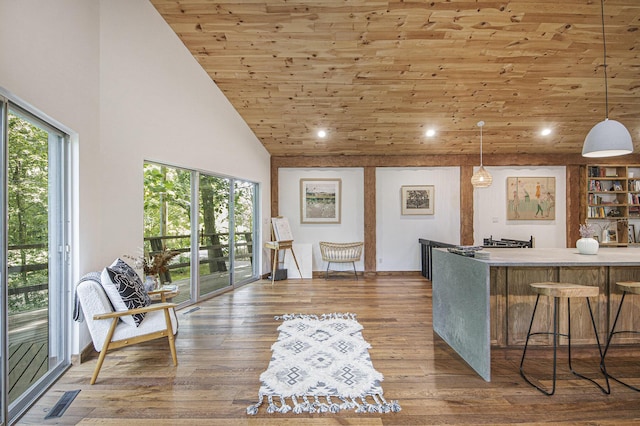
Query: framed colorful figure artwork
point(417, 199)
point(531, 198)
point(320, 200)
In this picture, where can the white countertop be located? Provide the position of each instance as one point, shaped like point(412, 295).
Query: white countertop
point(622, 256)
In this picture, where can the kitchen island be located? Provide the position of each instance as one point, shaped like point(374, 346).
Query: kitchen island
point(480, 303)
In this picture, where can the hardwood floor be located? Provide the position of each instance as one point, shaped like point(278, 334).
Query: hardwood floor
point(224, 345)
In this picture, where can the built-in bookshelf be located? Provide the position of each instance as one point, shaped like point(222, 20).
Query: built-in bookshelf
point(613, 203)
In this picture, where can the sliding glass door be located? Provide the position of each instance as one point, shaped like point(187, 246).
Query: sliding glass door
point(244, 195)
point(35, 309)
point(220, 252)
point(215, 267)
point(167, 223)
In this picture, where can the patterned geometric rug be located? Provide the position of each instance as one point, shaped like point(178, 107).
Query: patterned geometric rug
point(321, 364)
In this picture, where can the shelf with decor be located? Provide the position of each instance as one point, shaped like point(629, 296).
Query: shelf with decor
point(613, 203)
point(633, 201)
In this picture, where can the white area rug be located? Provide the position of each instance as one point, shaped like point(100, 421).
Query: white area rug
point(321, 364)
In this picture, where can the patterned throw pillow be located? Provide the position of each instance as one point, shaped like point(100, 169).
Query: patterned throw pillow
point(125, 290)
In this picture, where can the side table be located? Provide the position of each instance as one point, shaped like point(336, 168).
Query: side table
point(164, 294)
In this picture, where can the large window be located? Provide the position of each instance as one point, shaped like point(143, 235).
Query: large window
point(244, 195)
point(34, 307)
point(167, 222)
point(214, 219)
point(209, 220)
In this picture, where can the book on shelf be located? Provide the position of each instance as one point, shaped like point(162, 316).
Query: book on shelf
point(597, 171)
point(596, 185)
point(610, 172)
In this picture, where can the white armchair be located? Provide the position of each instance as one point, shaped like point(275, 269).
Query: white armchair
point(108, 332)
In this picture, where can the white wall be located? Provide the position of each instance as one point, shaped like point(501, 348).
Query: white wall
point(351, 226)
point(397, 236)
point(115, 73)
point(490, 209)
point(397, 246)
point(158, 104)
point(54, 66)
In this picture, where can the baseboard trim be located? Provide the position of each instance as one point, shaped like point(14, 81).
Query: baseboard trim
point(369, 274)
point(85, 354)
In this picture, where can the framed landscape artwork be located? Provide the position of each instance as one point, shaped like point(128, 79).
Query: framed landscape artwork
point(417, 199)
point(531, 198)
point(320, 200)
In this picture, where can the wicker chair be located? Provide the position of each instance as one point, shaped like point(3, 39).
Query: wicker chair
point(341, 253)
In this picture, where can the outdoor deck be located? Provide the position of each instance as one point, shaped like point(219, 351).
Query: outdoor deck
point(28, 350)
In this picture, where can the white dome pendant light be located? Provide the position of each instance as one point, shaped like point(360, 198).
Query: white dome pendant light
point(481, 178)
point(608, 138)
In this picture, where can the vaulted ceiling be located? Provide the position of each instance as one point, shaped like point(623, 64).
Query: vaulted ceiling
point(376, 75)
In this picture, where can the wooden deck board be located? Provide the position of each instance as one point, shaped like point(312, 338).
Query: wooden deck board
point(27, 363)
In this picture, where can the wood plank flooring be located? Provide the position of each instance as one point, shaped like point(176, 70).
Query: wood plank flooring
point(224, 345)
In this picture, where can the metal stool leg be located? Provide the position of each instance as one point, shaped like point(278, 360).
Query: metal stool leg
point(606, 391)
point(556, 335)
point(555, 338)
point(609, 338)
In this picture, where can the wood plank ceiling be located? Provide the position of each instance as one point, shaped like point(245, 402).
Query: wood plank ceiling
point(377, 74)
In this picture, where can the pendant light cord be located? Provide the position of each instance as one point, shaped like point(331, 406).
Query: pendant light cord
point(480, 146)
point(480, 124)
point(604, 43)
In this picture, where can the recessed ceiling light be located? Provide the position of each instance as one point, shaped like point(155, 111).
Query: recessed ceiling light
point(430, 133)
point(322, 133)
point(545, 132)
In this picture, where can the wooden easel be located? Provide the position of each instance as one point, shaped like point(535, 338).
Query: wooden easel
point(282, 240)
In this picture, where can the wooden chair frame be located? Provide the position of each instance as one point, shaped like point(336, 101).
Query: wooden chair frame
point(115, 318)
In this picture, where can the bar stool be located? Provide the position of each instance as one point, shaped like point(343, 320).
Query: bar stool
point(558, 290)
point(632, 287)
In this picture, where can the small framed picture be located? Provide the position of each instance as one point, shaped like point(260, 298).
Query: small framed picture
point(613, 235)
point(417, 199)
point(533, 198)
point(320, 200)
point(632, 234)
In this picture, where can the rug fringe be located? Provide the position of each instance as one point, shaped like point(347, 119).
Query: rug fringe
point(303, 404)
point(334, 315)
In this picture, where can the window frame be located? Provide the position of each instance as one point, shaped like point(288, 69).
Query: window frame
point(61, 186)
point(195, 224)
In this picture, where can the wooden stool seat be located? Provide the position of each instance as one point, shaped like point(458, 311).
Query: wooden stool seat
point(552, 289)
point(567, 291)
point(632, 287)
point(629, 286)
